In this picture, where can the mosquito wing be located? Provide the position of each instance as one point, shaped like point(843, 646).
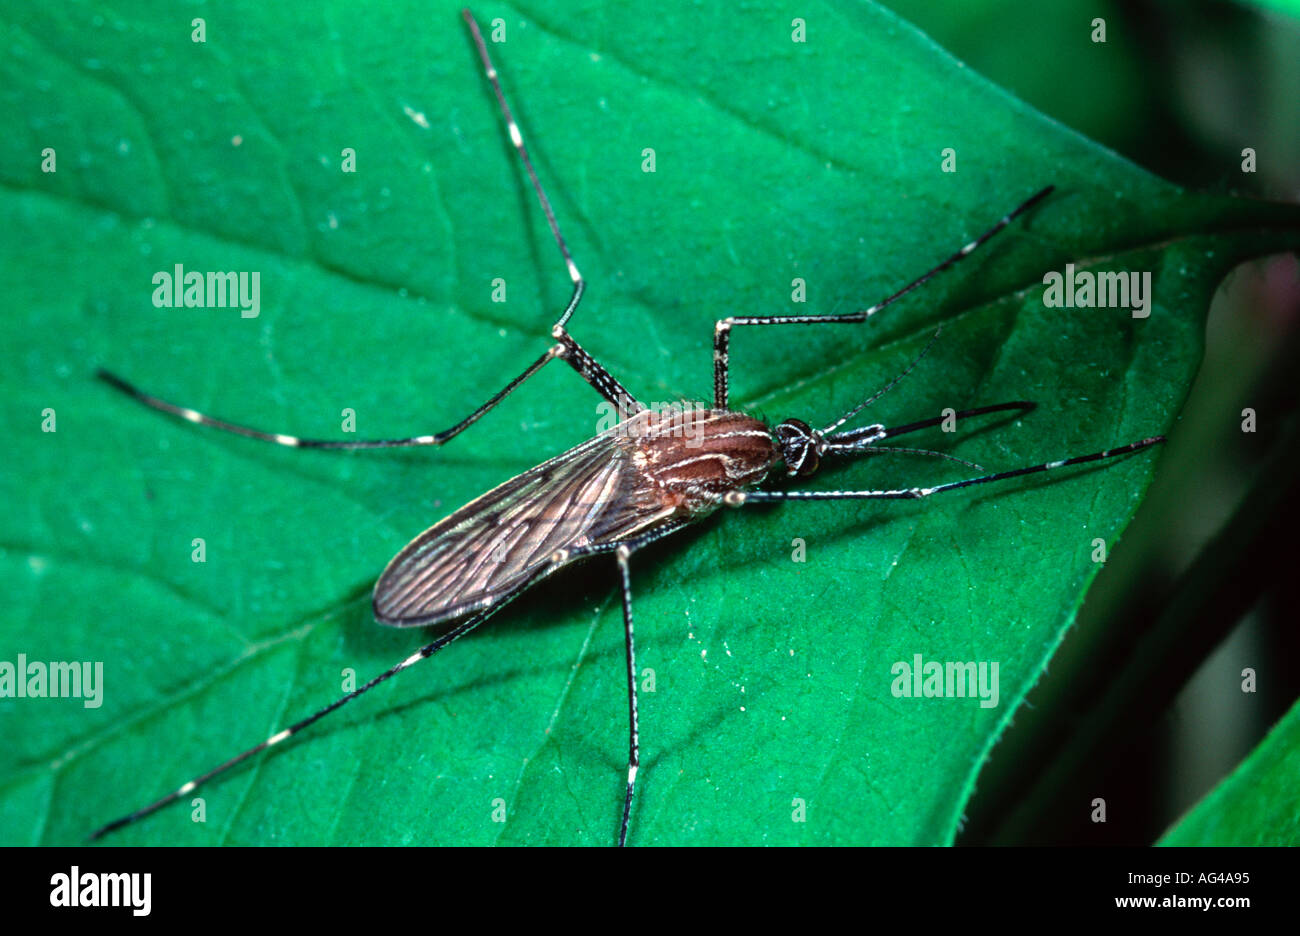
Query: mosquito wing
point(496, 545)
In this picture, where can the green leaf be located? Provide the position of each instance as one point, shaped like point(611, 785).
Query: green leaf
point(775, 160)
point(1289, 8)
point(1257, 804)
point(1106, 97)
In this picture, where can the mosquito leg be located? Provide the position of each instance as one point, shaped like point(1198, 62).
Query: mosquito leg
point(593, 373)
point(633, 751)
point(596, 375)
point(722, 330)
point(567, 348)
point(722, 341)
point(280, 438)
point(572, 352)
point(738, 498)
point(517, 139)
point(460, 630)
point(622, 552)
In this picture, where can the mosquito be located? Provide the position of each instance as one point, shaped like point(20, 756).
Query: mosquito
point(645, 478)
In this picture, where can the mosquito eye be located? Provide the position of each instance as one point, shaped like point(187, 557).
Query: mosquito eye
point(802, 460)
point(798, 447)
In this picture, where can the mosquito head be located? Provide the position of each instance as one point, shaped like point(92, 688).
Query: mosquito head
point(802, 446)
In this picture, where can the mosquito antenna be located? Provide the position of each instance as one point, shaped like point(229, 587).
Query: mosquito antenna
point(924, 278)
point(887, 387)
point(891, 450)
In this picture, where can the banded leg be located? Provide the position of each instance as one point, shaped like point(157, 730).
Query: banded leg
point(280, 438)
point(722, 330)
point(634, 745)
point(623, 552)
point(739, 498)
point(567, 348)
point(460, 630)
point(571, 351)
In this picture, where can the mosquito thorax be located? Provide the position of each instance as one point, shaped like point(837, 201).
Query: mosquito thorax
point(801, 447)
point(692, 458)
